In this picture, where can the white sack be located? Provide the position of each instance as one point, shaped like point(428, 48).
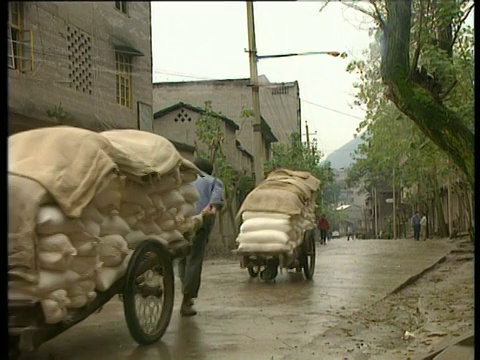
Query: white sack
point(58, 243)
point(85, 266)
point(187, 210)
point(134, 238)
point(173, 199)
point(79, 301)
point(188, 176)
point(259, 248)
point(168, 182)
point(189, 192)
point(135, 194)
point(60, 296)
point(260, 214)
point(81, 288)
point(151, 227)
point(92, 213)
point(91, 227)
point(107, 276)
point(54, 260)
point(167, 225)
point(52, 311)
point(112, 249)
point(263, 237)
point(171, 236)
point(51, 220)
point(158, 201)
point(48, 281)
point(84, 243)
point(129, 209)
point(255, 224)
point(114, 224)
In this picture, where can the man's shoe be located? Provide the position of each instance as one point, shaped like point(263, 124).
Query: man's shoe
point(187, 310)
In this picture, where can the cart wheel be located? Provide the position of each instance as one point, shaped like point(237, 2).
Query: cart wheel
point(308, 254)
point(269, 273)
point(253, 271)
point(148, 292)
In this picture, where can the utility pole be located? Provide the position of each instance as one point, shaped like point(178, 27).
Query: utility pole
point(258, 151)
point(394, 208)
point(308, 135)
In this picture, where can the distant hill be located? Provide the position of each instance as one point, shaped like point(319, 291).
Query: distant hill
point(341, 158)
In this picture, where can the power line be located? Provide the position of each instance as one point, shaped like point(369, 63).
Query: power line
point(333, 110)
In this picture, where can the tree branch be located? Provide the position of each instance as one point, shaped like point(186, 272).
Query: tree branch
point(416, 55)
point(459, 26)
point(379, 16)
point(362, 10)
point(444, 95)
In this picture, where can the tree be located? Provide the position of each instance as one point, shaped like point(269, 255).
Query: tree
point(209, 144)
point(297, 156)
point(424, 67)
point(420, 58)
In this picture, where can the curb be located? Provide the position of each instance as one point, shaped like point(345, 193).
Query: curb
point(415, 277)
point(466, 342)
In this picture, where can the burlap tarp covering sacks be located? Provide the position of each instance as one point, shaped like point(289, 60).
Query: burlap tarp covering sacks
point(24, 198)
point(68, 162)
point(142, 153)
point(283, 191)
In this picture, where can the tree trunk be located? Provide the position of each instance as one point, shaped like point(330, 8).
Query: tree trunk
point(440, 124)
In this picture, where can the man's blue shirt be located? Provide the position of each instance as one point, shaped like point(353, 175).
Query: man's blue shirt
point(211, 191)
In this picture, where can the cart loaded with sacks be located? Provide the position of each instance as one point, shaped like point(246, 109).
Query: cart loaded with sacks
point(92, 215)
point(278, 221)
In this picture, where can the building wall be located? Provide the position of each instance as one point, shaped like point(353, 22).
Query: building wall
point(281, 109)
point(89, 30)
point(184, 132)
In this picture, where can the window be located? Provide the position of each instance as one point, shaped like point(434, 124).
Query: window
point(122, 6)
point(18, 39)
point(124, 79)
point(283, 90)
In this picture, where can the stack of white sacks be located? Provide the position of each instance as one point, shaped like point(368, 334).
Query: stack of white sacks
point(276, 214)
point(78, 256)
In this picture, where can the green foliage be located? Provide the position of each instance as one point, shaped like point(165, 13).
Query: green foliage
point(210, 143)
point(394, 143)
point(297, 156)
point(58, 112)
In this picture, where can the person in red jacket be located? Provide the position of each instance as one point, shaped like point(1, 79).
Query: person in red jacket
point(323, 226)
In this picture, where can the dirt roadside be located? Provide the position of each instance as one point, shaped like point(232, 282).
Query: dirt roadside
point(436, 308)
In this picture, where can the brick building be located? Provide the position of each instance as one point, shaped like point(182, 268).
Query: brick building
point(84, 64)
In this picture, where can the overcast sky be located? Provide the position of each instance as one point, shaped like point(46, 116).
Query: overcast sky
point(207, 40)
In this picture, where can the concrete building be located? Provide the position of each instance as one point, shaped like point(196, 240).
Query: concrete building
point(84, 64)
point(350, 202)
point(177, 123)
point(279, 103)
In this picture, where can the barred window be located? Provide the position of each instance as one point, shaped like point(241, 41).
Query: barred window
point(122, 6)
point(124, 79)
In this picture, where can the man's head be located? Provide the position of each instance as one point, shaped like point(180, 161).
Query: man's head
point(203, 164)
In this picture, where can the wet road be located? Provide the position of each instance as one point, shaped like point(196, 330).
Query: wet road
point(243, 318)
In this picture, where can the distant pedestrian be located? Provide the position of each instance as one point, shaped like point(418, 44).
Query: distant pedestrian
point(323, 226)
point(416, 226)
point(423, 227)
point(349, 232)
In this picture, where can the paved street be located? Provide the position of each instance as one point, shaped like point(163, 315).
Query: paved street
point(243, 318)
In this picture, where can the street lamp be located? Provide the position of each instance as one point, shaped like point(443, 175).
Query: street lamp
point(331, 53)
point(252, 51)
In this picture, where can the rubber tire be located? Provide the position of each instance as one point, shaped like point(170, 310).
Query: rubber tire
point(252, 272)
point(308, 251)
point(129, 295)
point(271, 271)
